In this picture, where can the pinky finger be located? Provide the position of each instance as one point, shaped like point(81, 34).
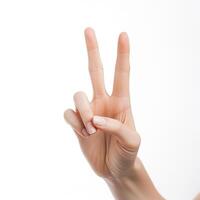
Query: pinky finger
point(75, 122)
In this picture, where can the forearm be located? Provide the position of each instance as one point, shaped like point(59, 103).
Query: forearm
point(136, 186)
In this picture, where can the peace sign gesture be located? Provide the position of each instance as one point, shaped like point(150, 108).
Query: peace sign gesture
point(105, 126)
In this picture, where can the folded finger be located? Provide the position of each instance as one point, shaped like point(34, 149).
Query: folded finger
point(83, 106)
point(75, 122)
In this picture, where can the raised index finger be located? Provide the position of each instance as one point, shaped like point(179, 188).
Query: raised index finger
point(94, 62)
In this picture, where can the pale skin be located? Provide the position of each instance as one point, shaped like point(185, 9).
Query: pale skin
point(105, 126)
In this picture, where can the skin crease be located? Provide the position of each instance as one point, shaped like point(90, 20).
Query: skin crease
point(111, 148)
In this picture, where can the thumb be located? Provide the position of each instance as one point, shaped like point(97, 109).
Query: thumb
point(127, 137)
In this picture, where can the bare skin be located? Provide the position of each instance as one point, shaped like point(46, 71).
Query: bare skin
point(197, 197)
point(105, 127)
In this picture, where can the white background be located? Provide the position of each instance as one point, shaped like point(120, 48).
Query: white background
point(43, 63)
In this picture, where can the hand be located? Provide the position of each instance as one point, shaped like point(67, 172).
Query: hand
point(106, 129)
point(111, 141)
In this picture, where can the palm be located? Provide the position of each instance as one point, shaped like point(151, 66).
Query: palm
point(106, 153)
point(100, 149)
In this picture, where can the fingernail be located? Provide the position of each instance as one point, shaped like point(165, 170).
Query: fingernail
point(85, 133)
point(90, 128)
point(99, 120)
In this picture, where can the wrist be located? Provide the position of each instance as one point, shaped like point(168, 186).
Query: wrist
point(135, 185)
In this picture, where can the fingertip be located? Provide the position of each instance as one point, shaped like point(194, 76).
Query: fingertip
point(123, 43)
point(67, 113)
point(123, 36)
point(90, 38)
point(98, 120)
point(88, 31)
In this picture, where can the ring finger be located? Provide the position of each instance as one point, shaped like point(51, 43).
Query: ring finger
point(83, 106)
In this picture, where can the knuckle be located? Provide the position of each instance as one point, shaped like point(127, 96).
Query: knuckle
point(135, 141)
point(120, 127)
point(69, 110)
point(67, 113)
point(78, 94)
point(95, 68)
point(132, 143)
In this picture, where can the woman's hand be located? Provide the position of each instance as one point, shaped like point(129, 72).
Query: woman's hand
point(106, 129)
